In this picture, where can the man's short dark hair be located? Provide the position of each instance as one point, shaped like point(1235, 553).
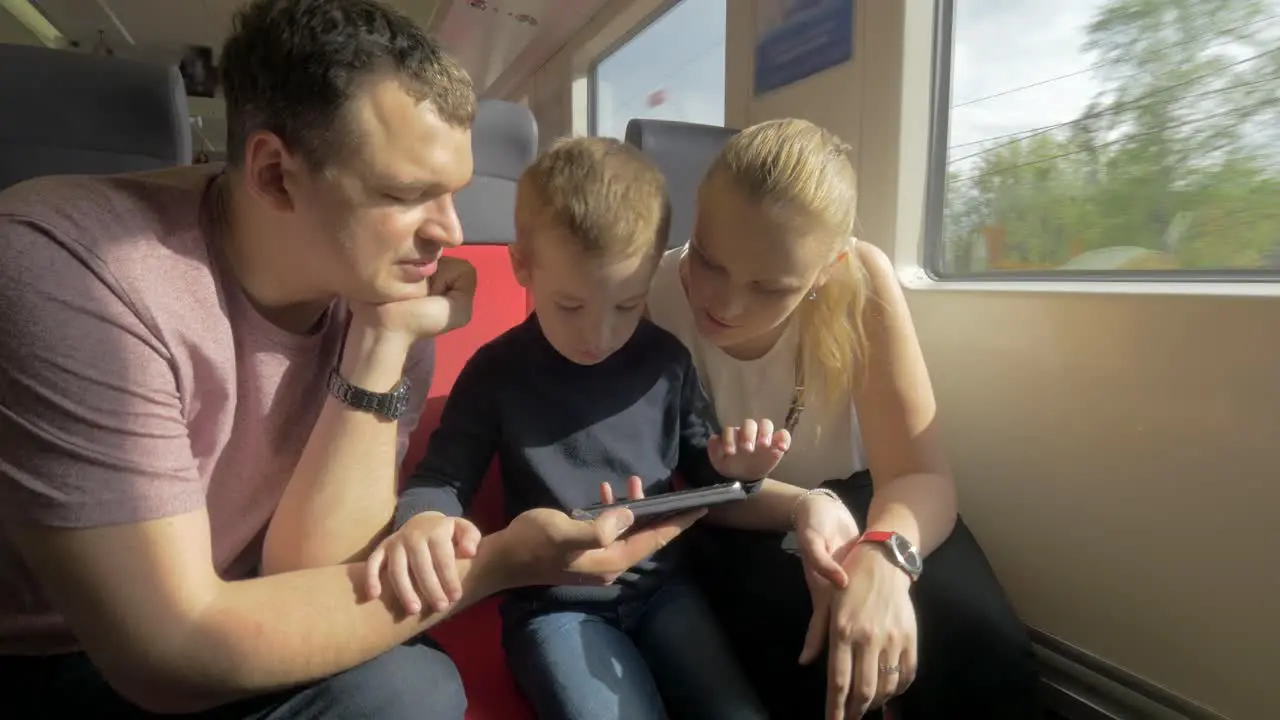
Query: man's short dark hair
point(290, 66)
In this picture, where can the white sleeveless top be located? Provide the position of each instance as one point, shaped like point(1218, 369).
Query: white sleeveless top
point(760, 388)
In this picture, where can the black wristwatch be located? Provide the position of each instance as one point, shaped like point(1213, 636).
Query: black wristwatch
point(390, 405)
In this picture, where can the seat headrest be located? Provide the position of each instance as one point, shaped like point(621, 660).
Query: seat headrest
point(504, 140)
point(683, 152)
point(71, 113)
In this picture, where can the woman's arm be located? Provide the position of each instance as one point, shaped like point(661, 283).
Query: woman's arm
point(769, 508)
point(915, 494)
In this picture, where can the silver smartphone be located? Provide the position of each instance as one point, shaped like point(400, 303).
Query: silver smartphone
point(670, 503)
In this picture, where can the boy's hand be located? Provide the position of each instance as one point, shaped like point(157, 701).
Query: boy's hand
point(547, 547)
point(750, 452)
point(420, 561)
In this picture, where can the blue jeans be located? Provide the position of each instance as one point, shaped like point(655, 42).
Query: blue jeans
point(412, 681)
point(643, 659)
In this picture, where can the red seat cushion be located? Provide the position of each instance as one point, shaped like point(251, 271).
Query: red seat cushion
point(473, 637)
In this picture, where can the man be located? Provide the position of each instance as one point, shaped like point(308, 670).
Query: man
point(206, 382)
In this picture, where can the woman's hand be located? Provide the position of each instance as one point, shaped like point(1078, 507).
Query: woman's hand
point(871, 634)
point(825, 530)
point(748, 453)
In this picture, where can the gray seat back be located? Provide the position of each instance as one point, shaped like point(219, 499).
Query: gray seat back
point(504, 141)
point(70, 113)
point(683, 152)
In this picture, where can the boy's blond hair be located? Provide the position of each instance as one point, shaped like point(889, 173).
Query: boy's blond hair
point(603, 193)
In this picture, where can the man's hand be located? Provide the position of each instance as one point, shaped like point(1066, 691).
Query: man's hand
point(421, 561)
point(748, 453)
point(445, 306)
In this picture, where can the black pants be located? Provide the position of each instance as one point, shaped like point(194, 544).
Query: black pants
point(410, 681)
point(975, 658)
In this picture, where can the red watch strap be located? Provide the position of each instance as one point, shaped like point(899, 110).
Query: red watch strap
point(884, 536)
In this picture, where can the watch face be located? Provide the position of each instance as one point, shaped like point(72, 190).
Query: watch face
point(906, 552)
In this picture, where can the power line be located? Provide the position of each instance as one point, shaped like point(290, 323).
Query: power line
point(1130, 104)
point(1001, 137)
point(1032, 132)
point(1105, 63)
point(1117, 141)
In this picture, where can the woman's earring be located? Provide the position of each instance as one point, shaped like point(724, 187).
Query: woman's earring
point(813, 294)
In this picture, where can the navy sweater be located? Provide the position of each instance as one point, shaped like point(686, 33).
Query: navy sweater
point(559, 429)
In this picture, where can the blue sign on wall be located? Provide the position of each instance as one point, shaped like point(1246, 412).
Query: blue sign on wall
point(797, 38)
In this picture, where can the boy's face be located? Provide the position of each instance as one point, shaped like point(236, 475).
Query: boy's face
point(587, 307)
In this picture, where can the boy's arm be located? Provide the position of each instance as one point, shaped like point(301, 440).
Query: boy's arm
point(461, 447)
point(770, 504)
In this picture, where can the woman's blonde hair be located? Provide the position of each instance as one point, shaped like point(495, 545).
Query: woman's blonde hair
point(801, 174)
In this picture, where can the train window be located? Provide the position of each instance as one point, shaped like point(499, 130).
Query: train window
point(673, 69)
point(1107, 139)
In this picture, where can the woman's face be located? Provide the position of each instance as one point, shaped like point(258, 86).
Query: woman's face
point(746, 271)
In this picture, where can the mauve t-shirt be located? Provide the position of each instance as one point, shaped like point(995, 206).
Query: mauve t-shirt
point(138, 382)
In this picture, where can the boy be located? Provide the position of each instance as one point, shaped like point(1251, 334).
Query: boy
point(584, 392)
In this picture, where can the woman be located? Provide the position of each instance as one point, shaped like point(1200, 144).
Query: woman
point(786, 315)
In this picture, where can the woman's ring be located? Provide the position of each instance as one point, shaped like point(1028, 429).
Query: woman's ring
point(890, 669)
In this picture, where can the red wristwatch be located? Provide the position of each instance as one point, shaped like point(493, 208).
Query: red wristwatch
point(898, 549)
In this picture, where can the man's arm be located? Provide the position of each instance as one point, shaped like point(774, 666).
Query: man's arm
point(462, 445)
point(168, 634)
point(171, 636)
point(342, 494)
point(102, 498)
point(349, 462)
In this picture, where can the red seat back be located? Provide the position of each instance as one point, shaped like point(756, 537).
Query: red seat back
point(504, 142)
point(500, 304)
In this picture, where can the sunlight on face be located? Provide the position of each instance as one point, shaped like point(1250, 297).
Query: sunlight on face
point(746, 271)
point(587, 307)
point(386, 203)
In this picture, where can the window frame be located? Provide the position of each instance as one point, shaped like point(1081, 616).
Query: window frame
point(933, 236)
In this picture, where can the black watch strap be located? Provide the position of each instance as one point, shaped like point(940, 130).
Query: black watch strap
point(390, 405)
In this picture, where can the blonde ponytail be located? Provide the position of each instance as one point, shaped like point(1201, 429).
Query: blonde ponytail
point(802, 174)
point(833, 341)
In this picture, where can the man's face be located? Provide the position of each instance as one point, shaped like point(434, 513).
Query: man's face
point(383, 211)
